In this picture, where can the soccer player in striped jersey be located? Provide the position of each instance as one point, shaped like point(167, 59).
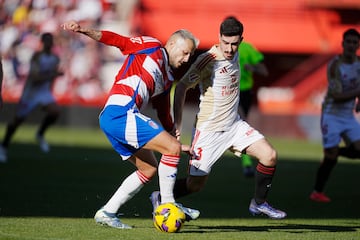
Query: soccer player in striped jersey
point(145, 76)
point(337, 118)
point(218, 125)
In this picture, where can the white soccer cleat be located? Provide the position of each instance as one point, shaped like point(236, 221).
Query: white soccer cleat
point(3, 154)
point(191, 214)
point(44, 146)
point(109, 219)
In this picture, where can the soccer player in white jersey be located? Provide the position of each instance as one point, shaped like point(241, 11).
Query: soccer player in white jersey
point(44, 69)
point(338, 121)
point(218, 125)
point(145, 76)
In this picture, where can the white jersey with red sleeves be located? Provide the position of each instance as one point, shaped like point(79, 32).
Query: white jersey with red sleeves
point(143, 75)
point(218, 81)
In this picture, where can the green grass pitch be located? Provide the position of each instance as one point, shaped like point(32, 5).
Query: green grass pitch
point(54, 196)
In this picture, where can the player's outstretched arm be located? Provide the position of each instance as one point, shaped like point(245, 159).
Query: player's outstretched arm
point(75, 27)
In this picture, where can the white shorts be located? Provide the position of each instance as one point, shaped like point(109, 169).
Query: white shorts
point(208, 147)
point(334, 128)
point(31, 98)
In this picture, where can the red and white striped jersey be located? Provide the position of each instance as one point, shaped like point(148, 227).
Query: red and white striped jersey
point(145, 74)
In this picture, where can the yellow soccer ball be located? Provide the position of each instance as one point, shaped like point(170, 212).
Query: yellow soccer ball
point(168, 217)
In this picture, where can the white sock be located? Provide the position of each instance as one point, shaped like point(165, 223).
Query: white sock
point(129, 187)
point(167, 172)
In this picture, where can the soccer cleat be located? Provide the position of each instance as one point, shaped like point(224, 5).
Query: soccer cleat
point(265, 208)
point(109, 219)
point(3, 154)
point(191, 214)
point(319, 197)
point(44, 146)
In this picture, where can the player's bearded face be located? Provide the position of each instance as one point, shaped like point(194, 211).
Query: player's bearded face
point(180, 52)
point(351, 45)
point(229, 46)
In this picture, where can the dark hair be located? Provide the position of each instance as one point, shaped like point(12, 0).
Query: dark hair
point(231, 27)
point(46, 37)
point(351, 31)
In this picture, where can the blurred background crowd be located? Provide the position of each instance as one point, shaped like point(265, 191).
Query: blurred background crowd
point(89, 68)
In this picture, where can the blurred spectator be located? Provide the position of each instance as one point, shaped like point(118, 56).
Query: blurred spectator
point(83, 61)
point(44, 69)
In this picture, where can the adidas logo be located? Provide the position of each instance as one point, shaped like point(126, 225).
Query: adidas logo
point(223, 70)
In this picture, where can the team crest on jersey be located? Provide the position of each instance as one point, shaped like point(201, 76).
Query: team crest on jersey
point(153, 124)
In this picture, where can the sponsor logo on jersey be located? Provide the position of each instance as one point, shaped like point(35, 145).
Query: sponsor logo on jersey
point(249, 132)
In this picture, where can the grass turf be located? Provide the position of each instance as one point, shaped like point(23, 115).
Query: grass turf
point(55, 195)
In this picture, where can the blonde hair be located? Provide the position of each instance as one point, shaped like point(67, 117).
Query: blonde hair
point(185, 34)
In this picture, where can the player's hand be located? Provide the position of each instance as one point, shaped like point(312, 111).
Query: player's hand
point(177, 134)
point(186, 149)
point(71, 26)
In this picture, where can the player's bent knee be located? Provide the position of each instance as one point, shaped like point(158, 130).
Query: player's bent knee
point(270, 158)
point(174, 148)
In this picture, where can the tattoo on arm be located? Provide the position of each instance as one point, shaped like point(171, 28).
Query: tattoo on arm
point(94, 34)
